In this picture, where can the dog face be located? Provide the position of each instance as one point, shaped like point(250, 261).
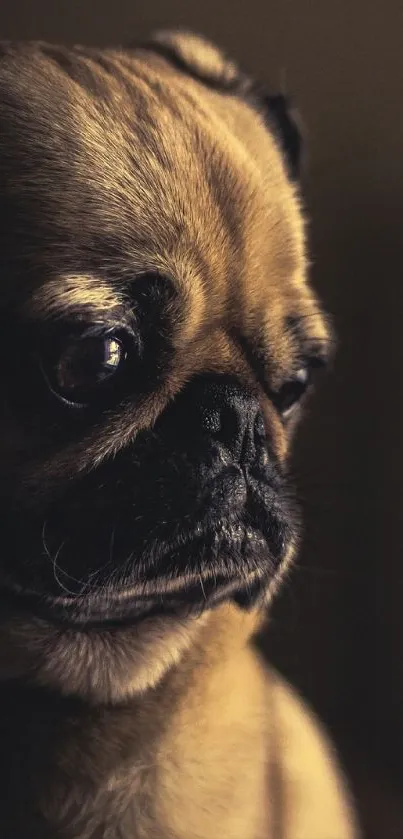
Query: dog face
point(158, 331)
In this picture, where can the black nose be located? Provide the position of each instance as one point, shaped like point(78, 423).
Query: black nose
point(230, 415)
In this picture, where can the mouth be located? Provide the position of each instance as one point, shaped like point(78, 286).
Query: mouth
point(105, 555)
point(234, 562)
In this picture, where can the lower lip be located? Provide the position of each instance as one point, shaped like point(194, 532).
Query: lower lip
point(127, 606)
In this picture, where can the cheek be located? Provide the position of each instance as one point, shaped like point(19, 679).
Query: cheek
point(275, 432)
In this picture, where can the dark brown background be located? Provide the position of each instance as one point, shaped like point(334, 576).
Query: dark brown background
point(337, 629)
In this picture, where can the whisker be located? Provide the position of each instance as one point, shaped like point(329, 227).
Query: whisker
point(202, 585)
point(57, 569)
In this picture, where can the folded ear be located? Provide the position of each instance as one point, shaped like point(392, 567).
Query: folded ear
point(199, 58)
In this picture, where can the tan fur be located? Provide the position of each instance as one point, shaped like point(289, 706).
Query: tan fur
point(219, 747)
point(169, 729)
point(99, 665)
point(86, 296)
point(243, 270)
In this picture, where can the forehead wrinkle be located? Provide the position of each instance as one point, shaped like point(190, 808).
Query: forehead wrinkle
point(72, 295)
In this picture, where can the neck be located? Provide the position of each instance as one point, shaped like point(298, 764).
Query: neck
point(70, 759)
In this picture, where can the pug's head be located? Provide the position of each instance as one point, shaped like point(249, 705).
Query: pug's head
point(158, 333)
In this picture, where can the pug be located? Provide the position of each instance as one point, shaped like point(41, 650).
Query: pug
point(159, 340)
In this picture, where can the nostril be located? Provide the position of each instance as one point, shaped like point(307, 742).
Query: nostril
point(242, 432)
point(232, 430)
point(227, 426)
point(259, 435)
point(260, 431)
point(228, 414)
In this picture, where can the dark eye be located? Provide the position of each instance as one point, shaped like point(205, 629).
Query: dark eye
point(292, 391)
point(88, 362)
point(84, 365)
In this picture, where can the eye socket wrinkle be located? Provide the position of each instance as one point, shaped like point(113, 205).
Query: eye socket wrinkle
point(314, 349)
point(310, 353)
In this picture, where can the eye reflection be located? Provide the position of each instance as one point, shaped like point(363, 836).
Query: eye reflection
point(88, 362)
